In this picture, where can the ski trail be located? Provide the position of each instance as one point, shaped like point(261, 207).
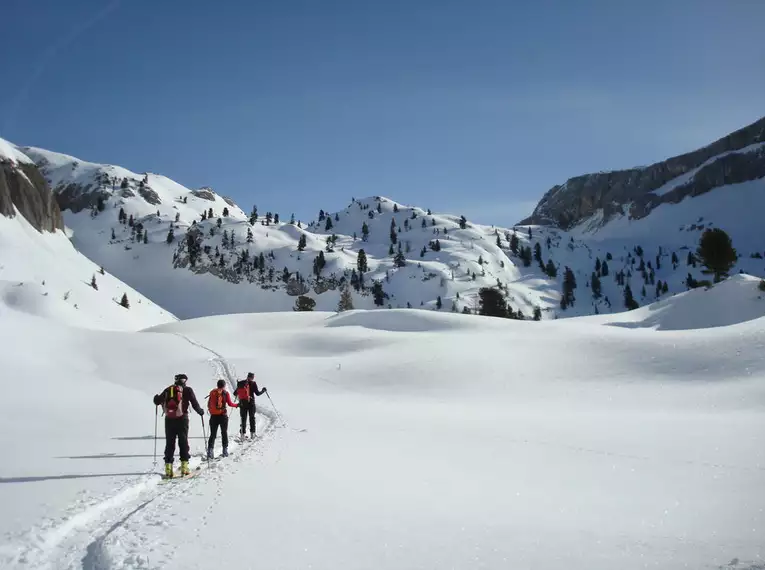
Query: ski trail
point(55, 543)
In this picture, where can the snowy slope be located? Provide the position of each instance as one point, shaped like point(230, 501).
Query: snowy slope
point(261, 268)
point(430, 441)
point(41, 274)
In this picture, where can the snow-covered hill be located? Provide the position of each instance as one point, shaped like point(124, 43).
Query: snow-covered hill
point(42, 274)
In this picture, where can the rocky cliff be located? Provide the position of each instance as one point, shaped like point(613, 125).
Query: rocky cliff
point(22, 186)
point(737, 157)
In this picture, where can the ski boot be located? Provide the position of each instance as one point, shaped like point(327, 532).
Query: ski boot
point(185, 468)
point(169, 470)
point(225, 452)
point(252, 434)
point(210, 454)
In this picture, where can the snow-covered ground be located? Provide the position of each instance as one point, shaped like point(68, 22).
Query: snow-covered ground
point(413, 439)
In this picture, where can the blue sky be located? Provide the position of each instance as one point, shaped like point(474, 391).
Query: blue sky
point(472, 107)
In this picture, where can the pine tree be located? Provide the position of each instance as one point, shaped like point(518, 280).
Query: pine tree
point(537, 253)
point(346, 300)
point(439, 304)
point(424, 224)
point(595, 284)
point(514, 244)
point(361, 262)
point(665, 288)
point(526, 256)
point(225, 212)
point(675, 261)
point(629, 300)
point(177, 217)
point(302, 242)
point(550, 269)
point(249, 235)
point(210, 213)
point(276, 218)
point(124, 301)
point(378, 293)
point(604, 269)
point(93, 283)
point(569, 284)
point(364, 231)
point(716, 253)
point(328, 224)
point(145, 236)
point(537, 313)
point(304, 303)
point(499, 242)
point(393, 234)
point(113, 234)
point(399, 260)
point(492, 302)
point(597, 265)
point(463, 222)
point(219, 223)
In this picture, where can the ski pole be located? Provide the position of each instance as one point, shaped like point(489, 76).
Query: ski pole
point(204, 434)
point(274, 407)
point(155, 436)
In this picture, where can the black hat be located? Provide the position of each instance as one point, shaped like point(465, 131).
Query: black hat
point(250, 375)
point(181, 378)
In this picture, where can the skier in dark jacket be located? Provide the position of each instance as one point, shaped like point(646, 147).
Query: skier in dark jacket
point(246, 390)
point(175, 401)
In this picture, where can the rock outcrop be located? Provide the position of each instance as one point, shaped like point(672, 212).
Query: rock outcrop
point(23, 186)
point(738, 157)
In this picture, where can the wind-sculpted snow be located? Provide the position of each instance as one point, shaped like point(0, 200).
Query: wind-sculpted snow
point(410, 439)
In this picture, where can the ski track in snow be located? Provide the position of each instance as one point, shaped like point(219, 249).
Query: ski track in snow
point(138, 504)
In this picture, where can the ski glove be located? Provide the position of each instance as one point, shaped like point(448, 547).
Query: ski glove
point(201, 413)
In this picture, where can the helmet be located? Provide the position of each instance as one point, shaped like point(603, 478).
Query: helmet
point(221, 383)
point(181, 378)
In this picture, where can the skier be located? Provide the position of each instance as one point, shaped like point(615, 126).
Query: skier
point(175, 402)
point(246, 390)
point(218, 399)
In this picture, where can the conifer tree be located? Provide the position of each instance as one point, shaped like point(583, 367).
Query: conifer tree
point(514, 243)
point(124, 301)
point(716, 253)
point(538, 253)
point(499, 242)
point(378, 293)
point(537, 315)
point(301, 242)
point(113, 235)
point(93, 282)
point(550, 269)
point(604, 269)
point(463, 222)
point(364, 231)
point(629, 300)
point(569, 284)
point(249, 235)
point(399, 260)
point(492, 302)
point(596, 286)
point(225, 212)
point(439, 304)
point(346, 300)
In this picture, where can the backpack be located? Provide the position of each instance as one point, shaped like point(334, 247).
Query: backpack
point(216, 403)
point(173, 405)
point(243, 391)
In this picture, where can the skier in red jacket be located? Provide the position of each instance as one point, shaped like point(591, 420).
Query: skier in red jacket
point(219, 398)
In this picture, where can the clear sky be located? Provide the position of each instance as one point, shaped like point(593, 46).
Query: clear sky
point(474, 107)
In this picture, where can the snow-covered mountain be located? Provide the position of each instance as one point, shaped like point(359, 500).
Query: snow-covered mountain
point(42, 274)
point(197, 253)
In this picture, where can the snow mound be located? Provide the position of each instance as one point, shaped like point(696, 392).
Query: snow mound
point(735, 300)
point(409, 320)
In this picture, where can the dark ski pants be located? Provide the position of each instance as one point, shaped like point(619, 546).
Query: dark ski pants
point(176, 427)
point(216, 421)
point(246, 411)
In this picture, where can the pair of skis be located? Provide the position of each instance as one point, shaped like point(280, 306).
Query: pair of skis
point(244, 443)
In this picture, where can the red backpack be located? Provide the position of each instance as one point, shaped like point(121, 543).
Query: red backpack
point(216, 403)
point(243, 391)
point(174, 402)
